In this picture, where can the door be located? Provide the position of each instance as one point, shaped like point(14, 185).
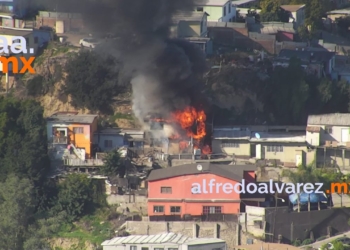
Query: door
point(59, 27)
point(298, 160)
point(344, 135)
point(258, 151)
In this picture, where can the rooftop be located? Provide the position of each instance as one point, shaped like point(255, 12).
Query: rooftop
point(120, 131)
point(292, 8)
point(339, 12)
point(188, 16)
point(71, 117)
point(320, 56)
point(240, 2)
point(212, 3)
point(335, 119)
point(280, 137)
point(170, 238)
point(275, 30)
point(232, 172)
point(15, 32)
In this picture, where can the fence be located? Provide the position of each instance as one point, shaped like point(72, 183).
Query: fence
point(203, 217)
point(81, 163)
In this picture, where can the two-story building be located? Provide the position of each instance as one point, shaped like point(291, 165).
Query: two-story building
point(218, 10)
point(297, 14)
point(194, 190)
point(72, 131)
point(284, 144)
point(316, 62)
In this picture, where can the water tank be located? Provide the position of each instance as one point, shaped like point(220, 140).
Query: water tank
point(197, 151)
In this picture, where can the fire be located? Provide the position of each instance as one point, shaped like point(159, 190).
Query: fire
point(190, 117)
point(206, 150)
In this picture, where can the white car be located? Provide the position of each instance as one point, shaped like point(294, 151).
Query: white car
point(328, 247)
point(88, 42)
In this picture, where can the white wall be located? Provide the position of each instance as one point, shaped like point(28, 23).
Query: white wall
point(253, 214)
point(335, 135)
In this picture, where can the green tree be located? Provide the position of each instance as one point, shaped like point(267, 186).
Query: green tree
point(92, 81)
point(113, 165)
point(17, 204)
point(74, 196)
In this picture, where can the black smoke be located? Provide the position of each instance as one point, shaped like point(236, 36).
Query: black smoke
point(165, 73)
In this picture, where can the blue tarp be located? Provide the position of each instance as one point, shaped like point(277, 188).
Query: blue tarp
point(304, 197)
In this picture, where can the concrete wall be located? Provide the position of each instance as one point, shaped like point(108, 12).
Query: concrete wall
point(289, 154)
point(294, 225)
point(243, 148)
point(252, 221)
point(225, 230)
point(335, 135)
point(135, 203)
point(71, 22)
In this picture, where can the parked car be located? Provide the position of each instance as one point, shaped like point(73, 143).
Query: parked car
point(88, 42)
point(329, 246)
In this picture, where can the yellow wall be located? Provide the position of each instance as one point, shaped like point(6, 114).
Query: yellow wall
point(288, 155)
point(84, 140)
point(243, 148)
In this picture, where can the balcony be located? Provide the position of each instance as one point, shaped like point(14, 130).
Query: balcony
point(58, 140)
point(81, 163)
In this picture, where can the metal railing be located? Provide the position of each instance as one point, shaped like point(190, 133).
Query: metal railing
point(59, 140)
point(87, 163)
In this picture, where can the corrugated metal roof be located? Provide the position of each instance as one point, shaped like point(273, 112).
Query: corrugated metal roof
point(231, 134)
point(71, 118)
point(280, 137)
point(275, 30)
point(144, 239)
point(232, 172)
point(170, 238)
point(15, 32)
point(335, 119)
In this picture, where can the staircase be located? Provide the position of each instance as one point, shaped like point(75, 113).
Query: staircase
point(77, 152)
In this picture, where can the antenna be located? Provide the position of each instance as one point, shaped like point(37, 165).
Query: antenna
point(257, 136)
point(199, 167)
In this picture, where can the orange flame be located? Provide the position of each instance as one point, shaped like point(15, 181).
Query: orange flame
point(206, 150)
point(187, 118)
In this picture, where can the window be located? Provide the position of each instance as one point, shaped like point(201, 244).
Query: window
point(158, 209)
point(229, 144)
point(175, 209)
point(211, 210)
point(165, 190)
point(158, 248)
point(275, 149)
point(173, 249)
point(144, 248)
point(108, 144)
point(133, 247)
point(200, 9)
point(328, 130)
point(36, 40)
point(229, 7)
point(225, 11)
point(78, 130)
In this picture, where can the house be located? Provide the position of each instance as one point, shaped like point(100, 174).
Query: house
point(60, 21)
point(74, 130)
point(328, 130)
point(336, 14)
point(189, 24)
point(318, 62)
point(168, 241)
point(285, 144)
point(181, 192)
point(297, 14)
point(113, 138)
point(245, 3)
point(218, 10)
point(341, 70)
point(31, 41)
point(14, 7)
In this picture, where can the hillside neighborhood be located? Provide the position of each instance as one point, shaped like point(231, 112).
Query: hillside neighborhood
point(131, 105)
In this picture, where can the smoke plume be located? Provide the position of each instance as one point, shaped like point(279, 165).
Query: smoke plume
point(165, 73)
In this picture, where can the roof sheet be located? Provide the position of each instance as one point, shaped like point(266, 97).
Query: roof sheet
point(292, 8)
point(71, 118)
point(188, 16)
point(230, 134)
point(240, 2)
point(335, 119)
point(15, 32)
point(233, 172)
point(341, 12)
point(321, 56)
point(170, 238)
point(280, 137)
point(212, 3)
